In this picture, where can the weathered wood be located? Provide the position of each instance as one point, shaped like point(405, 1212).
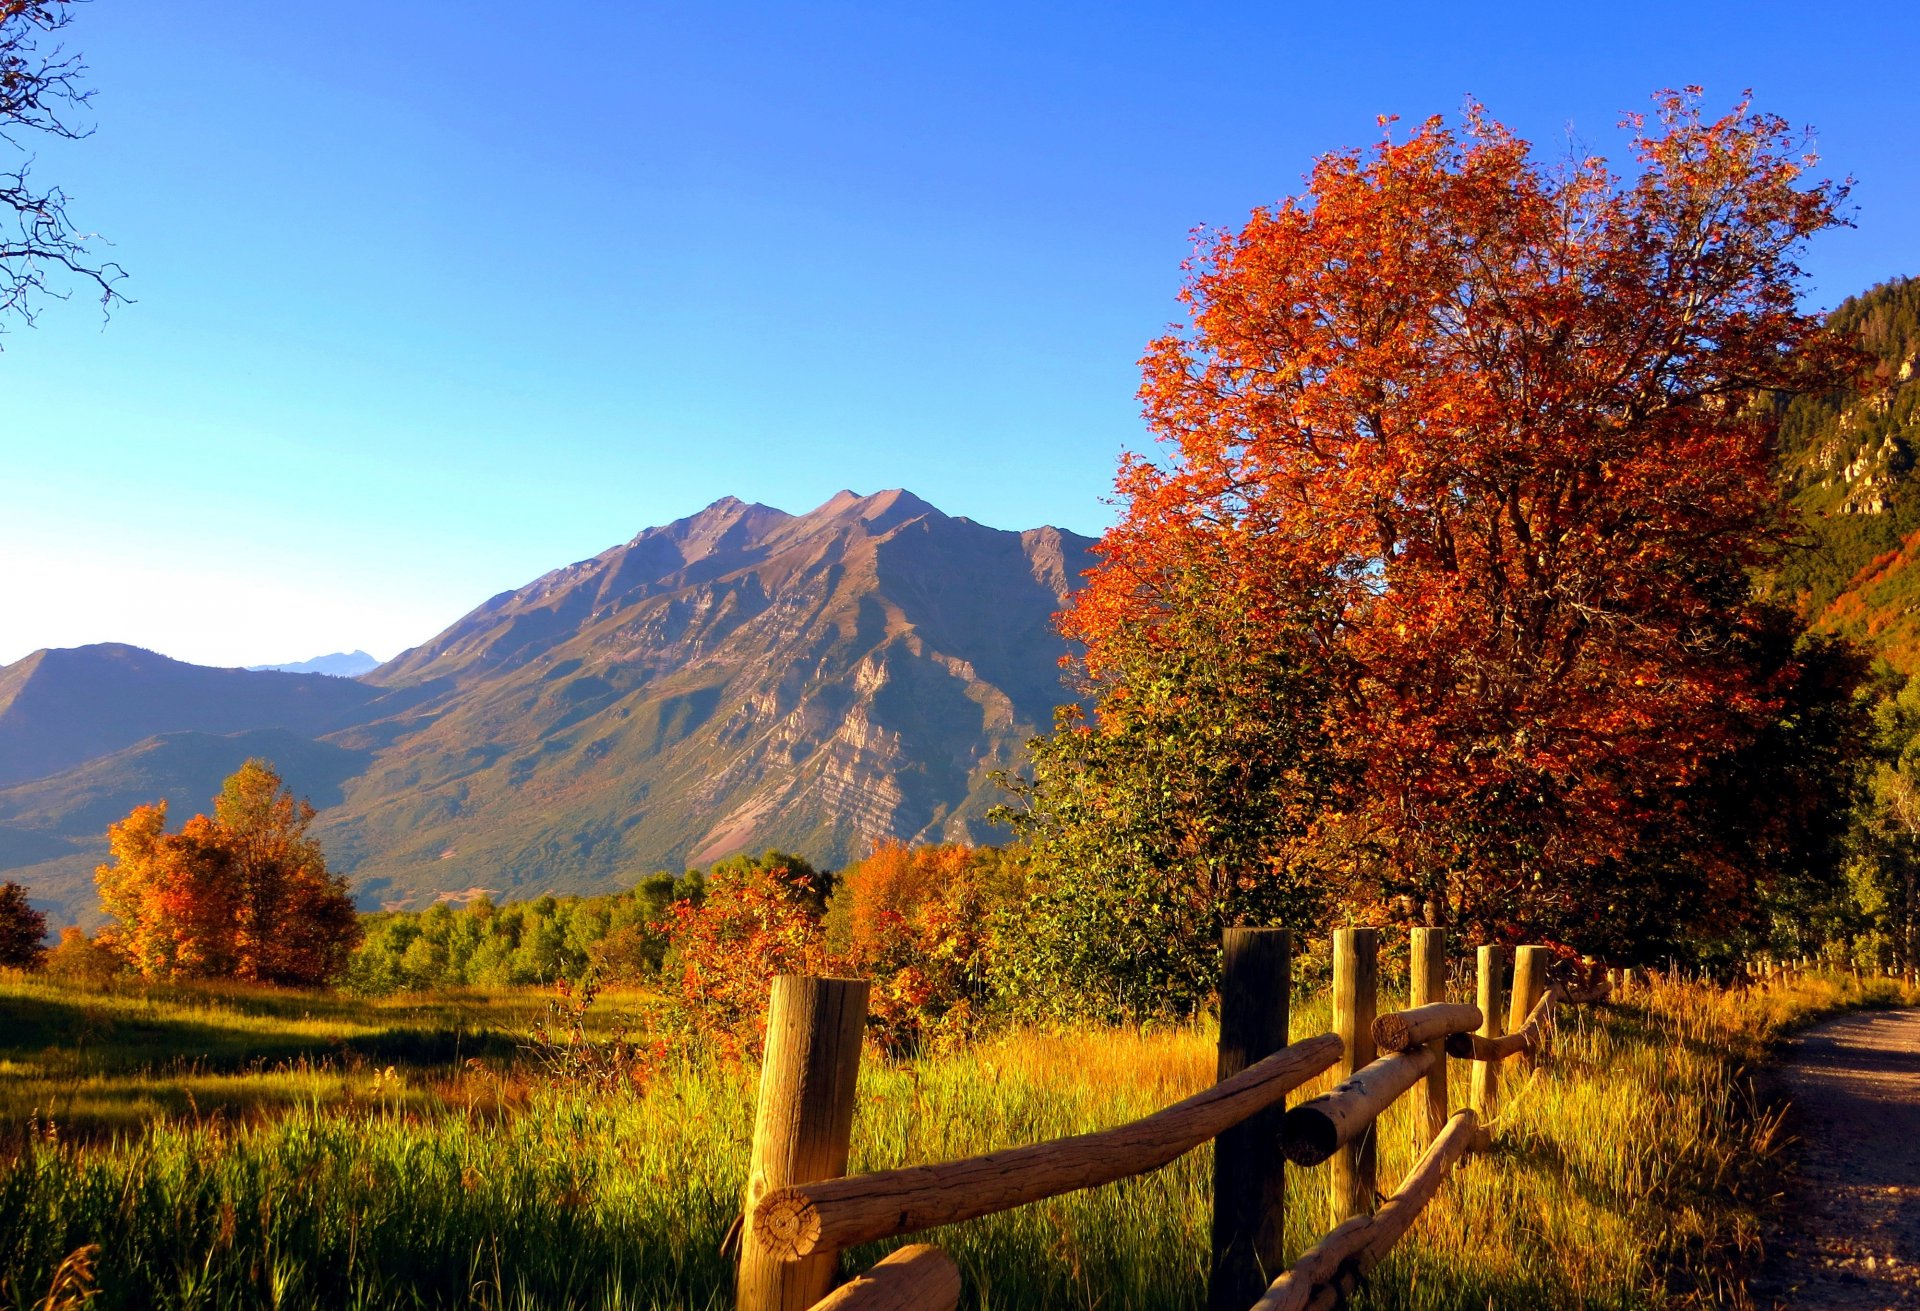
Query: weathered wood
point(1399, 1031)
point(1356, 986)
point(1527, 1038)
point(1249, 1169)
point(802, 1127)
point(1529, 986)
point(1485, 1089)
point(1330, 1270)
point(1315, 1130)
point(837, 1213)
point(915, 1278)
point(1428, 986)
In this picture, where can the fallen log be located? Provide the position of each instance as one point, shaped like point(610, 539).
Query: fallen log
point(837, 1213)
point(1315, 1130)
point(1399, 1031)
point(1332, 1268)
point(916, 1278)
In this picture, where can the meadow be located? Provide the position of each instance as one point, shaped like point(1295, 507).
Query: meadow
point(224, 1147)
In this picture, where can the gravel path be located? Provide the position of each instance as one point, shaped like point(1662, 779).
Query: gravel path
point(1852, 1235)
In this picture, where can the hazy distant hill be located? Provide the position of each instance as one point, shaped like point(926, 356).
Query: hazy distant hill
point(52, 830)
point(1849, 462)
point(739, 679)
point(341, 664)
point(64, 707)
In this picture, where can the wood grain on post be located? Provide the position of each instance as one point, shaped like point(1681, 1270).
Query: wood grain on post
point(1486, 1074)
point(837, 1213)
point(1428, 988)
point(1529, 986)
point(802, 1126)
point(1315, 1130)
point(1249, 1169)
point(1330, 1270)
point(1356, 984)
point(915, 1278)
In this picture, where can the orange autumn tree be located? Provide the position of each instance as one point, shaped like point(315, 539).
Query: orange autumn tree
point(755, 917)
point(1484, 440)
point(917, 921)
point(244, 893)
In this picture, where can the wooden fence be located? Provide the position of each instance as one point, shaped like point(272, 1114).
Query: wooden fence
point(802, 1210)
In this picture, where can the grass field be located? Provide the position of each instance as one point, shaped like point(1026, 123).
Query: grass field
point(225, 1148)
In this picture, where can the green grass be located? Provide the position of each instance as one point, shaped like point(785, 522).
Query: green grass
point(105, 1060)
point(1630, 1173)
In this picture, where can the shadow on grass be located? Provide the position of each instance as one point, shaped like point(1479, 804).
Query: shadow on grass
point(83, 1039)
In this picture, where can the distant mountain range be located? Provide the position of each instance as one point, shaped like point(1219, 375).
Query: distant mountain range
point(341, 664)
point(739, 679)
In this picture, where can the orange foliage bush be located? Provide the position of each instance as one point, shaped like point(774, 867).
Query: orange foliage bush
point(917, 923)
point(81, 959)
point(758, 918)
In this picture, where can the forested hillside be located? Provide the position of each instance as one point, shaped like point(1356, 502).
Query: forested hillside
point(1848, 461)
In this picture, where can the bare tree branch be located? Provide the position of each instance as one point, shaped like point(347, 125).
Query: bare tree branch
point(42, 255)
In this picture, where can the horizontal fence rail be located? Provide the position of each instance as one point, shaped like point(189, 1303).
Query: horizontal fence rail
point(1397, 1031)
point(1331, 1268)
point(802, 1210)
point(836, 1213)
point(916, 1278)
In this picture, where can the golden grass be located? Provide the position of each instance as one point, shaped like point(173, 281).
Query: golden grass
point(1631, 1171)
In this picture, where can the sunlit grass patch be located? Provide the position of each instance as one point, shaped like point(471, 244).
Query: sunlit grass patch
point(1627, 1173)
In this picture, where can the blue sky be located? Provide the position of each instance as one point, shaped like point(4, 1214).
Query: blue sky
point(435, 297)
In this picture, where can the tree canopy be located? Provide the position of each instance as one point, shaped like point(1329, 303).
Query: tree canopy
point(244, 893)
point(23, 929)
point(1475, 446)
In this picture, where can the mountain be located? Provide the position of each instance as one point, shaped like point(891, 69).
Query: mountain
point(1848, 461)
point(53, 830)
point(341, 664)
point(739, 679)
point(64, 707)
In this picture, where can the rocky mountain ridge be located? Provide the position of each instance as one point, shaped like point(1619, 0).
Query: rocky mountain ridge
point(738, 679)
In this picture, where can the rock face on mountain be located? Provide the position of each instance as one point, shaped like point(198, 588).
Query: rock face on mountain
point(1849, 464)
point(740, 679)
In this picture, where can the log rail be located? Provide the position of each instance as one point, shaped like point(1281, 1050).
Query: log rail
point(802, 1211)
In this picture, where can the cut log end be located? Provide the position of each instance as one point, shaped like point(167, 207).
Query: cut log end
point(1390, 1032)
point(786, 1224)
point(1308, 1136)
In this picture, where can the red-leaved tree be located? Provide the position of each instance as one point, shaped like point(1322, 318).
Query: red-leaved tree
point(1490, 433)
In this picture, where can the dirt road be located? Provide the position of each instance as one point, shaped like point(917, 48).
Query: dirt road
point(1852, 1235)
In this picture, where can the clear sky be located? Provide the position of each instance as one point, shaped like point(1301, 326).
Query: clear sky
point(435, 297)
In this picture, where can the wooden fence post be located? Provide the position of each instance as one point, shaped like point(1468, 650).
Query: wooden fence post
point(1486, 1074)
point(1356, 982)
point(802, 1127)
point(1529, 986)
point(1428, 970)
point(1249, 1167)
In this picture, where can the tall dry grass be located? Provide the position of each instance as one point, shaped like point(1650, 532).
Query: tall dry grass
point(1628, 1172)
